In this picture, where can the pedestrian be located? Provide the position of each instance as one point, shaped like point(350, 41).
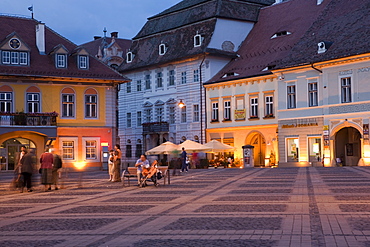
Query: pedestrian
point(183, 161)
point(140, 165)
point(111, 165)
point(27, 167)
point(117, 163)
point(46, 169)
point(57, 165)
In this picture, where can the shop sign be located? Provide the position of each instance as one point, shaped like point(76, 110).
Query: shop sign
point(239, 114)
point(286, 126)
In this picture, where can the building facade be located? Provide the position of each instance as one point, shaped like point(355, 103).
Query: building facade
point(171, 57)
point(53, 93)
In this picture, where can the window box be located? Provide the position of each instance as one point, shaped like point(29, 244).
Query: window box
point(253, 118)
point(269, 116)
point(226, 120)
point(215, 121)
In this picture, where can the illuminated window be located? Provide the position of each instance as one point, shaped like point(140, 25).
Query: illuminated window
point(91, 150)
point(292, 149)
point(68, 150)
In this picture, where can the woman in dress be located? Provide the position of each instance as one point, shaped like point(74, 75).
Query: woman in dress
point(46, 161)
point(111, 165)
point(117, 163)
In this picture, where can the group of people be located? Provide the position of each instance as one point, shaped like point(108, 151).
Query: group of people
point(114, 164)
point(26, 167)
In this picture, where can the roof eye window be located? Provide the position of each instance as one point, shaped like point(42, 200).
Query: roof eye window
point(198, 40)
point(162, 49)
point(280, 34)
point(129, 57)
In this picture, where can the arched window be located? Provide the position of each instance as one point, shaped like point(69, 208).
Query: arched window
point(6, 99)
point(33, 99)
point(68, 103)
point(91, 102)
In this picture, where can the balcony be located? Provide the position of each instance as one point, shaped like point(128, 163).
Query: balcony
point(28, 119)
point(155, 127)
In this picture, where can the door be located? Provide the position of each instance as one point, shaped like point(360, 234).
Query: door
point(259, 149)
point(348, 146)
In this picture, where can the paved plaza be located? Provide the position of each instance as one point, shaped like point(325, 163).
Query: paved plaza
point(215, 207)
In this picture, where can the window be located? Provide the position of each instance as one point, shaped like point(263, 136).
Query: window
point(5, 102)
point(33, 102)
point(148, 83)
point(227, 110)
point(171, 78)
point(196, 75)
point(291, 97)
point(269, 106)
point(128, 119)
point(148, 115)
point(159, 113)
point(91, 106)
point(254, 107)
point(128, 151)
point(68, 150)
point(128, 87)
point(183, 77)
point(214, 111)
point(139, 119)
point(68, 105)
point(183, 114)
point(23, 58)
point(82, 62)
point(195, 113)
point(91, 150)
point(292, 149)
point(172, 116)
point(138, 85)
point(162, 49)
point(129, 57)
point(346, 89)
point(139, 150)
point(159, 79)
point(197, 40)
point(314, 149)
point(6, 57)
point(239, 103)
point(14, 57)
point(61, 61)
point(312, 94)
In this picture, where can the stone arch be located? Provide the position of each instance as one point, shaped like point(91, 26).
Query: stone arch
point(257, 139)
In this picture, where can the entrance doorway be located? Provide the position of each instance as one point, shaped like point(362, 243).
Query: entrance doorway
point(259, 143)
point(9, 149)
point(348, 146)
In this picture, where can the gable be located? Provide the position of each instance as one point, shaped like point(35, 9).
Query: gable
point(5, 45)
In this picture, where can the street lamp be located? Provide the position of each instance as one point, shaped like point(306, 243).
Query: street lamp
point(181, 104)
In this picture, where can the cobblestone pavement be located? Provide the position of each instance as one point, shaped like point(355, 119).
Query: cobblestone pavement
point(286, 207)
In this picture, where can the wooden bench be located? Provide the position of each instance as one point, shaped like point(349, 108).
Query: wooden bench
point(130, 172)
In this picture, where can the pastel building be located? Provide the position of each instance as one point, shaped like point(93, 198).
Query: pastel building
point(54, 93)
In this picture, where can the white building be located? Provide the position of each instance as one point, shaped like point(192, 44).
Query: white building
point(170, 58)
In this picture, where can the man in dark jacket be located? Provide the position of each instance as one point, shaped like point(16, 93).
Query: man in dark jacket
point(27, 167)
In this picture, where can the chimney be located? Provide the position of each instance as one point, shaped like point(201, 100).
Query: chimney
point(97, 37)
point(114, 34)
point(40, 38)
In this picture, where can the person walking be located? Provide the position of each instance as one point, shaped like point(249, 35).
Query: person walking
point(117, 163)
point(46, 161)
point(111, 165)
point(140, 164)
point(57, 165)
point(27, 167)
point(183, 160)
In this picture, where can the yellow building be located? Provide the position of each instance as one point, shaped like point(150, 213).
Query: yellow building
point(53, 93)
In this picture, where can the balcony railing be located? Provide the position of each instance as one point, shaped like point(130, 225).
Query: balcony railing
point(28, 119)
point(156, 127)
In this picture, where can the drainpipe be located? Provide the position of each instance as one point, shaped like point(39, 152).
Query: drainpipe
point(201, 100)
point(316, 68)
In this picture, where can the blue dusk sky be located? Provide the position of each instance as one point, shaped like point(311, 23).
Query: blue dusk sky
point(80, 20)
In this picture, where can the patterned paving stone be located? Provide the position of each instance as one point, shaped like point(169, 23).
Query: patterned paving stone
point(190, 186)
point(141, 199)
point(360, 224)
point(205, 243)
point(37, 200)
point(165, 192)
point(271, 190)
point(253, 198)
point(58, 224)
point(354, 207)
point(353, 198)
point(350, 184)
point(346, 181)
point(242, 208)
point(256, 185)
point(349, 190)
point(225, 223)
point(30, 243)
point(6, 210)
point(107, 209)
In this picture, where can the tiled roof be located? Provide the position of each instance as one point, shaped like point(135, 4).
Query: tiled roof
point(344, 23)
point(192, 11)
point(260, 52)
point(93, 46)
point(44, 65)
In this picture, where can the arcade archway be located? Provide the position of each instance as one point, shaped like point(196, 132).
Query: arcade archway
point(9, 149)
point(348, 146)
point(257, 140)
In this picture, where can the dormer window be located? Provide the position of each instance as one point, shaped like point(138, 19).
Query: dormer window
point(279, 34)
point(197, 40)
point(129, 57)
point(61, 61)
point(162, 49)
point(82, 62)
point(14, 57)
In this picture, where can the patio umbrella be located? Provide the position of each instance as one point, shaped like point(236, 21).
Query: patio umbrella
point(217, 146)
point(193, 147)
point(164, 148)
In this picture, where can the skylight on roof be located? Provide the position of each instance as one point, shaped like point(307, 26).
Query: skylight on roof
point(230, 74)
point(280, 34)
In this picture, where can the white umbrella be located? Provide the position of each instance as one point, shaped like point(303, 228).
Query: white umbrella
point(164, 148)
point(193, 147)
point(217, 146)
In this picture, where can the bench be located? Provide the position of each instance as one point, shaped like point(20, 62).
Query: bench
point(130, 172)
